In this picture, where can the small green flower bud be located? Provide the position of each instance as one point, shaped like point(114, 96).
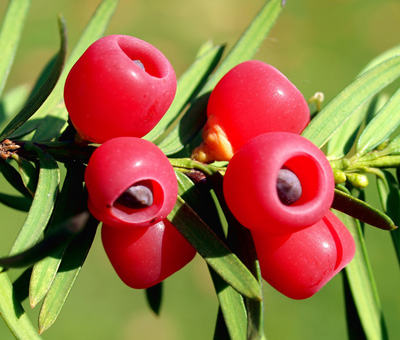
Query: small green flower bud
point(358, 180)
point(339, 175)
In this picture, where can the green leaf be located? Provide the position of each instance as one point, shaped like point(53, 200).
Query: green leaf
point(14, 178)
point(240, 240)
point(232, 308)
point(389, 194)
point(362, 211)
point(41, 95)
point(220, 331)
point(381, 126)
point(362, 284)
point(10, 34)
point(255, 314)
point(94, 30)
point(392, 148)
point(213, 250)
point(72, 262)
point(231, 302)
point(249, 42)
point(201, 199)
point(29, 174)
point(186, 128)
point(375, 105)
point(188, 86)
point(44, 272)
point(243, 50)
point(343, 139)
point(341, 142)
point(53, 240)
point(355, 330)
point(42, 205)
point(340, 109)
point(375, 160)
point(50, 126)
point(394, 51)
point(13, 313)
point(232, 314)
point(25, 129)
point(245, 249)
point(232, 321)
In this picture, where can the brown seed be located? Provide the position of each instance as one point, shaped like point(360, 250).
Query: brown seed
point(137, 196)
point(288, 186)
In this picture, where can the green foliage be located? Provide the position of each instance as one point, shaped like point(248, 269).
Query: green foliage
point(191, 123)
point(55, 226)
point(43, 92)
point(10, 34)
point(363, 287)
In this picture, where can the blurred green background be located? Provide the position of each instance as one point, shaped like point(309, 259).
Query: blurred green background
point(320, 46)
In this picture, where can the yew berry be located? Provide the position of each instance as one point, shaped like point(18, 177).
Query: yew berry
point(251, 99)
point(143, 257)
point(130, 183)
point(299, 264)
point(120, 86)
point(253, 183)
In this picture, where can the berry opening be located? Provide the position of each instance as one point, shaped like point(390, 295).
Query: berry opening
point(151, 59)
point(132, 213)
point(139, 195)
point(288, 186)
point(307, 172)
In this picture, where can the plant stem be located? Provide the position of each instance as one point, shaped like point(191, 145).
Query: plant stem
point(184, 164)
point(61, 151)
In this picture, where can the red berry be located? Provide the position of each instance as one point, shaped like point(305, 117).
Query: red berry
point(251, 183)
point(251, 99)
point(299, 264)
point(121, 86)
point(130, 183)
point(143, 257)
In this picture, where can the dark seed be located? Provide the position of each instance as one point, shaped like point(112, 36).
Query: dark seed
point(288, 186)
point(137, 196)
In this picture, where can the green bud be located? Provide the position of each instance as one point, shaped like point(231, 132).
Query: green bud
point(357, 180)
point(339, 175)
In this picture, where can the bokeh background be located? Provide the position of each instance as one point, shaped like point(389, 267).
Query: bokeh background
point(320, 46)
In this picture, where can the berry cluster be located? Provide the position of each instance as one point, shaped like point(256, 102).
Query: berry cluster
point(277, 183)
point(115, 94)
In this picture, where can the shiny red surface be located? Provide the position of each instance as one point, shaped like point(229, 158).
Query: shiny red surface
point(108, 95)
